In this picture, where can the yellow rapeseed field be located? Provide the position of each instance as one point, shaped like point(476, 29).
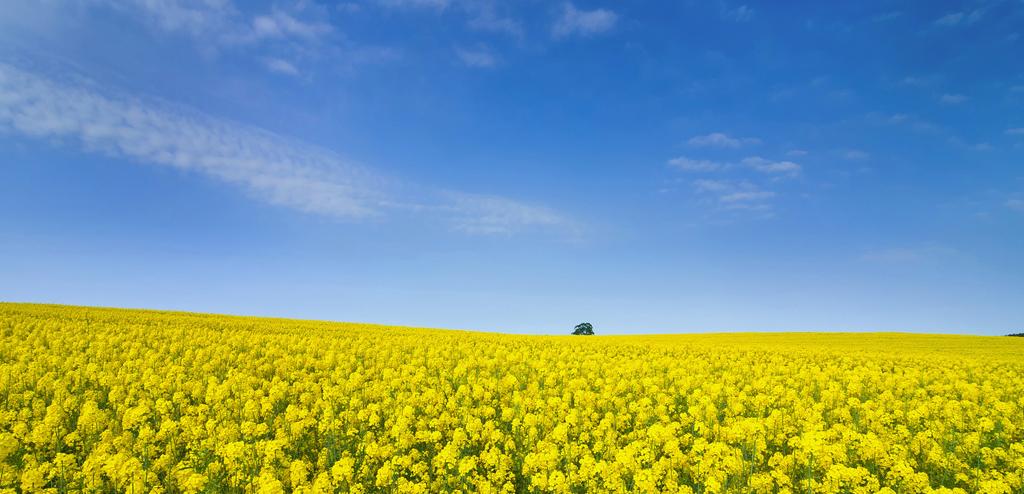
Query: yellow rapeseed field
point(104, 400)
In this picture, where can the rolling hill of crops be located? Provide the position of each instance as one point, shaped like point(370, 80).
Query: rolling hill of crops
point(107, 400)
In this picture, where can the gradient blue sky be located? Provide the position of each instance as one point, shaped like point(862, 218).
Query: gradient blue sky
point(520, 166)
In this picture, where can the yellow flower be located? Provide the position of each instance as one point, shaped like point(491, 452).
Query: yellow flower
point(136, 401)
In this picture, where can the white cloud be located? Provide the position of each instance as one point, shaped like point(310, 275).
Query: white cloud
point(349, 7)
point(271, 168)
point(855, 155)
point(1018, 131)
point(1015, 205)
point(796, 152)
point(721, 140)
point(950, 19)
point(281, 25)
point(963, 17)
point(887, 16)
point(733, 195)
point(692, 165)
point(746, 196)
point(218, 21)
point(583, 22)
point(705, 185)
point(738, 14)
point(903, 255)
point(190, 16)
point(952, 99)
point(911, 121)
point(219, 25)
point(492, 215)
point(767, 166)
point(484, 16)
point(496, 25)
point(431, 4)
point(281, 66)
point(477, 57)
point(916, 81)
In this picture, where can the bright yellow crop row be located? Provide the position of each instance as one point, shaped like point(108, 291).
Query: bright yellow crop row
point(100, 400)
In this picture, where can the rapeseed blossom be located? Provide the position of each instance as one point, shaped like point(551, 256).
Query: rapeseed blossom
point(102, 400)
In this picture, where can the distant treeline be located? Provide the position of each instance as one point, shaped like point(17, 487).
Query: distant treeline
point(1016, 334)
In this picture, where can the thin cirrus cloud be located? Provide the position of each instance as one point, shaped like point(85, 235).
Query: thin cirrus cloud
point(195, 18)
point(914, 254)
point(282, 25)
point(482, 15)
point(271, 168)
point(855, 155)
point(479, 57)
point(721, 140)
point(735, 195)
point(220, 25)
point(731, 192)
point(1017, 131)
point(768, 166)
point(429, 4)
point(755, 163)
point(281, 66)
point(693, 165)
point(574, 21)
point(218, 20)
point(739, 14)
point(960, 18)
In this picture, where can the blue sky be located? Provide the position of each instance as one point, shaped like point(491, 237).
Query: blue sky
point(520, 166)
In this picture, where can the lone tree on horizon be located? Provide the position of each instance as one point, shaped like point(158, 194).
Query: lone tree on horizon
point(583, 329)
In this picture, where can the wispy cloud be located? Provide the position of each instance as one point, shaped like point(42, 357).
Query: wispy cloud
point(740, 13)
point(950, 19)
point(966, 17)
point(755, 163)
point(1017, 131)
point(912, 121)
point(855, 155)
point(574, 21)
point(887, 16)
point(430, 4)
point(192, 17)
point(796, 152)
point(219, 26)
point(482, 15)
point(493, 215)
point(281, 66)
point(485, 16)
point(733, 195)
point(767, 166)
point(691, 165)
point(903, 255)
point(721, 140)
point(952, 99)
point(282, 25)
point(916, 81)
point(271, 168)
point(218, 21)
point(477, 57)
point(1015, 205)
